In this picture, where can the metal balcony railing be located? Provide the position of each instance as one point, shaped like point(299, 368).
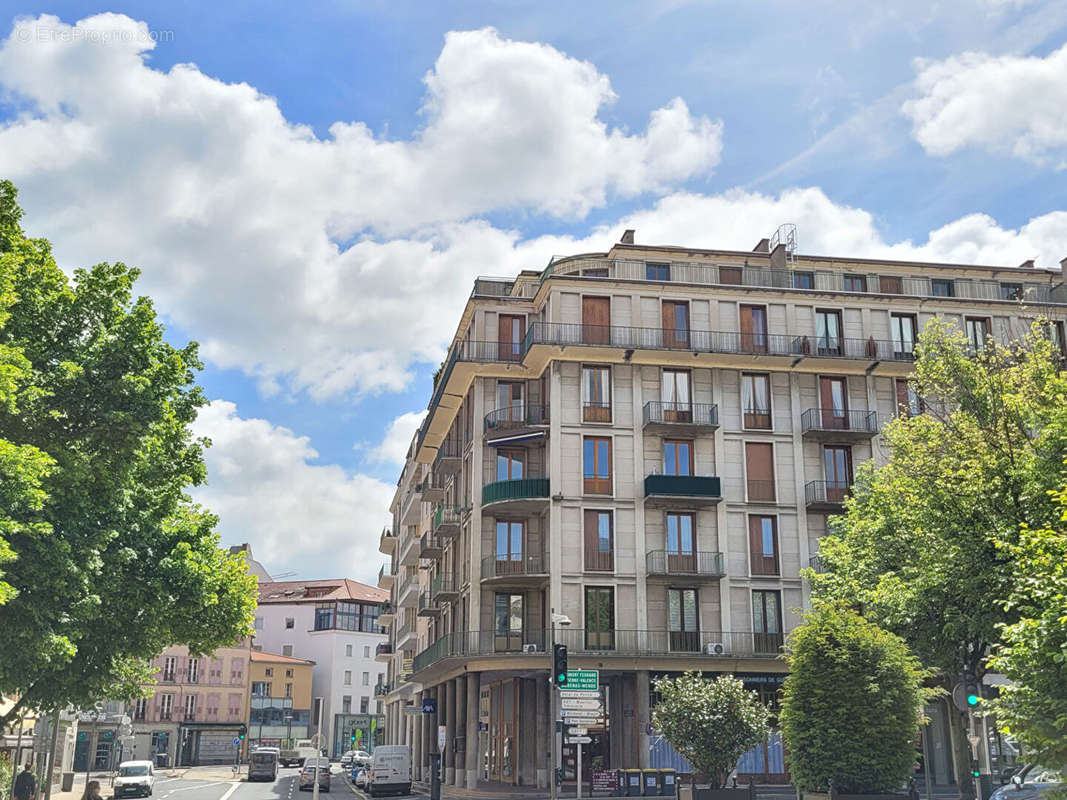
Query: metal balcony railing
point(661, 412)
point(381, 689)
point(816, 565)
point(596, 411)
point(446, 517)
point(383, 649)
point(516, 489)
point(482, 643)
point(518, 416)
point(442, 586)
point(513, 566)
point(697, 563)
point(683, 486)
point(837, 420)
point(667, 642)
point(826, 493)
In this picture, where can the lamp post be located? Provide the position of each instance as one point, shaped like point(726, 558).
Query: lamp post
point(288, 730)
point(562, 620)
point(90, 750)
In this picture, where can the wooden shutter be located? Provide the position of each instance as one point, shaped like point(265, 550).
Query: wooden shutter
point(731, 276)
point(759, 469)
point(596, 320)
point(761, 563)
point(753, 329)
point(675, 335)
point(903, 404)
point(511, 330)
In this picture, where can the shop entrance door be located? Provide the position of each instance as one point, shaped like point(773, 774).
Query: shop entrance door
point(502, 743)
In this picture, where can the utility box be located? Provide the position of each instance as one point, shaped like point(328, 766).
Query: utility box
point(668, 783)
point(650, 782)
point(630, 782)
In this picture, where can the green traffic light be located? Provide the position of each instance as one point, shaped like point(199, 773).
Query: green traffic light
point(976, 774)
point(972, 699)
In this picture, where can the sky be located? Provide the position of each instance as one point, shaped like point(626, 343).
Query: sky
point(310, 189)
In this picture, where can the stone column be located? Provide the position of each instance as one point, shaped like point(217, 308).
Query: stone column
point(459, 691)
point(473, 685)
point(643, 713)
point(543, 748)
point(416, 751)
point(449, 689)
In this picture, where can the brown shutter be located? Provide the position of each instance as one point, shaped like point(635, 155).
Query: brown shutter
point(761, 564)
point(903, 406)
point(510, 346)
point(759, 467)
point(596, 320)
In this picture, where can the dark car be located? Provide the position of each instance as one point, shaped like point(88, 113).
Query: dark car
point(1032, 782)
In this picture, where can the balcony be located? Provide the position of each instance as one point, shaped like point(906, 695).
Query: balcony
point(826, 496)
point(520, 495)
point(446, 521)
point(826, 424)
point(664, 417)
point(517, 424)
point(699, 564)
point(517, 570)
point(386, 579)
point(432, 491)
point(386, 614)
point(427, 606)
point(386, 542)
point(443, 589)
point(430, 546)
point(670, 643)
point(406, 636)
point(411, 508)
point(408, 595)
point(383, 651)
point(449, 457)
point(464, 644)
point(815, 564)
point(688, 491)
point(381, 689)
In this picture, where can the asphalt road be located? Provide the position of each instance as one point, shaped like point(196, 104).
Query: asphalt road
point(193, 786)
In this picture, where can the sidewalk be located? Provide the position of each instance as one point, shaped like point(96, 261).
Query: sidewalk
point(210, 773)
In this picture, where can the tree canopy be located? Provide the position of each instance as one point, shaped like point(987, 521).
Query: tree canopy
point(107, 560)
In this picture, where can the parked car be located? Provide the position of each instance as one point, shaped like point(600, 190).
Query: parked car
point(307, 774)
point(390, 772)
point(135, 779)
point(361, 777)
point(346, 759)
point(1032, 782)
point(362, 758)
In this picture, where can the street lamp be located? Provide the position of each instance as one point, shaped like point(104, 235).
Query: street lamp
point(563, 621)
point(288, 730)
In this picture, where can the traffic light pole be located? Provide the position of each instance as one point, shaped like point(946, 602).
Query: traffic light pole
point(552, 695)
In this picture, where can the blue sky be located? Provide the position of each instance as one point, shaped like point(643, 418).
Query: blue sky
point(309, 188)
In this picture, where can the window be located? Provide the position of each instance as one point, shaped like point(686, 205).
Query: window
point(507, 622)
point(348, 677)
point(833, 402)
point(753, 329)
point(289, 690)
point(756, 400)
point(837, 468)
point(1011, 291)
point(596, 465)
point(364, 704)
point(828, 333)
point(767, 621)
point(509, 464)
point(1056, 336)
point(682, 620)
point(763, 545)
point(509, 404)
point(891, 284)
point(290, 622)
point(287, 650)
point(194, 670)
point(903, 329)
point(677, 457)
point(288, 673)
point(596, 320)
point(599, 541)
point(759, 470)
point(940, 287)
point(731, 276)
point(269, 672)
point(258, 623)
point(170, 666)
point(346, 704)
point(599, 618)
point(512, 330)
point(681, 543)
point(803, 280)
point(140, 709)
point(166, 706)
point(855, 283)
point(348, 651)
point(596, 394)
point(674, 393)
point(676, 324)
point(366, 679)
point(260, 689)
point(324, 616)
point(509, 539)
point(908, 402)
point(979, 331)
point(366, 651)
point(657, 272)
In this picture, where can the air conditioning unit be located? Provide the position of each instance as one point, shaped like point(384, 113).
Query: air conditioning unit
point(715, 648)
point(529, 648)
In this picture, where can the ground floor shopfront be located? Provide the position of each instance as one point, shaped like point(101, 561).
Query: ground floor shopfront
point(495, 726)
point(187, 744)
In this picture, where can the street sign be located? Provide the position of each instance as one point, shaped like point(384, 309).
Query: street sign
point(429, 705)
point(582, 679)
point(580, 702)
point(579, 740)
point(577, 731)
point(569, 713)
point(442, 738)
point(584, 718)
point(412, 710)
point(583, 694)
point(236, 742)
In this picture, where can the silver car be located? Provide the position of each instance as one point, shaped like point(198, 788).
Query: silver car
point(307, 774)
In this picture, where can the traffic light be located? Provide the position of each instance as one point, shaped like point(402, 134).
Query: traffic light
point(353, 737)
point(974, 769)
point(559, 665)
point(241, 731)
point(972, 692)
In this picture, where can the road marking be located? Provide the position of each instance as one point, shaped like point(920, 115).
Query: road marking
point(233, 788)
point(198, 786)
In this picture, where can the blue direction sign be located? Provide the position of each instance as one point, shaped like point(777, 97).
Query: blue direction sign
point(429, 705)
point(236, 742)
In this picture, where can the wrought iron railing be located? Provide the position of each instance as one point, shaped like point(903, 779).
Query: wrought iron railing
point(513, 565)
point(700, 562)
point(515, 489)
point(669, 412)
point(826, 492)
point(518, 416)
point(830, 419)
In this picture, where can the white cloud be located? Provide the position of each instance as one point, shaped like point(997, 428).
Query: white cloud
point(238, 216)
point(317, 520)
point(1010, 104)
point(394, 447)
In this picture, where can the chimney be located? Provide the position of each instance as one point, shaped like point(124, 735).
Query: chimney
point(778, 257)
point(627, 236)
point(763, 246)
point(1029, 264)
point(1063, 264)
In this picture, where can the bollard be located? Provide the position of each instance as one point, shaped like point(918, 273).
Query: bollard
point(435, 776)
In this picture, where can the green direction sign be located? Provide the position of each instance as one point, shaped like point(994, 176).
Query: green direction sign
point(582, 680)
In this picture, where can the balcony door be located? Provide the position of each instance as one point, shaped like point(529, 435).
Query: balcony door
point(676, 324)
point(599, 618)
point(599, 541)
point(763, 545)
point(675, 395)
point(753, 329)
point(507, 624)
point(828, 333)
point(509, 547)
point(833, 399)
point(682, 620)
point(979, 330)
point(837, 464)
point(509, 401)
point(903, 329)
point(512, 331)
point(677, 457)
point(596, 320)
point(681, 544)
point(510, 464)
point(767, 621)
point(596, 465)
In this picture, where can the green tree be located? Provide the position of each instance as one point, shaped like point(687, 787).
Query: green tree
point(712, 723)
point(116, 563)
point(851, 705)
point(1033, 652)
point(920, 549)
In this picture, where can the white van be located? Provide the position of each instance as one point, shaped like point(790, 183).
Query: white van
point(390, 771)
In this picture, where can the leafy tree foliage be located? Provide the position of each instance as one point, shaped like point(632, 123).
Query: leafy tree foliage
point(112, 563)
point(712, 723)
point(1033, 653)
point(921, 548)
point(851, 705)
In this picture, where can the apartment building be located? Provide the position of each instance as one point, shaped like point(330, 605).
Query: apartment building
point(280, 703)
point(197, 708)
point(648, 441)
point(333, 623)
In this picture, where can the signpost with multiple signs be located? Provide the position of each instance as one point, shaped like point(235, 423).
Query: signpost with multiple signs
point(581, 705)
point(581, 680)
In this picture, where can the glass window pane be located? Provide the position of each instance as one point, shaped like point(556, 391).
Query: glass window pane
point(758, 623)
point(689, 609)
point(604, 532)
point(501, 540)
point(516, 541)
point(672, 532)
point(767, 536)
point(686, 533)
point(588, 456)
point(516, 614)
point(674, 609)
